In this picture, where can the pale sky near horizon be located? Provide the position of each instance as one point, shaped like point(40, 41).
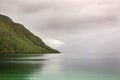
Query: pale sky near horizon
point(71, 26)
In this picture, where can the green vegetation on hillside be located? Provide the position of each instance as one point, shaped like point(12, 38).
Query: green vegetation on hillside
point(14, 37)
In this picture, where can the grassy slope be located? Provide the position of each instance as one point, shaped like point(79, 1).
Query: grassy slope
point(14, 37)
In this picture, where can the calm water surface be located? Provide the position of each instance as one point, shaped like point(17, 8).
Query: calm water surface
point(59, 67)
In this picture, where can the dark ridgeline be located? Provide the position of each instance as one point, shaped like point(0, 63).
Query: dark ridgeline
point(15, 38)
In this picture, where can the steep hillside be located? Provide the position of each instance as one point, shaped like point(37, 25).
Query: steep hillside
point(14, 37)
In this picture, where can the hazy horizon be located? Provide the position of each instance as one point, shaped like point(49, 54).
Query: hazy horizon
point(71, 26)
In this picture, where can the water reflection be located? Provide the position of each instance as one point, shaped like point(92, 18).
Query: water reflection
point(61, 67)
point(50, 71)
point(32, 67)
point(17, 70)
point(17, 55)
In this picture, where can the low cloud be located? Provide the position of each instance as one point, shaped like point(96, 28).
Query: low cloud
point(69, 21)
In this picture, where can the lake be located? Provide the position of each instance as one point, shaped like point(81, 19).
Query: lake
point(59, 67)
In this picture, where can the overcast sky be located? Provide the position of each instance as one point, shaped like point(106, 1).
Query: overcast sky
point(72, 26)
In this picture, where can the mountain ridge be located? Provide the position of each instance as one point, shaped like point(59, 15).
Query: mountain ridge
point(14, 37)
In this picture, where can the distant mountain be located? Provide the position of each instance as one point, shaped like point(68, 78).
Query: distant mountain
point(14, 37)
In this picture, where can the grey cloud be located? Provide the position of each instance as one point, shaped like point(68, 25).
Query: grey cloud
point(99, 41)
point(29, 8)
point(67, 20)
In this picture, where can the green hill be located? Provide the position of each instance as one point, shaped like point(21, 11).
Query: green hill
point(14, 37)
